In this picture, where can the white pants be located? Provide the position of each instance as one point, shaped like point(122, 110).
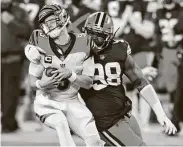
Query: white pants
point(78, 116)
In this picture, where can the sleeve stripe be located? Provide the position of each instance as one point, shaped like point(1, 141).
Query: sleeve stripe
point(31, 40)
point(37, 33)
point(129, 51)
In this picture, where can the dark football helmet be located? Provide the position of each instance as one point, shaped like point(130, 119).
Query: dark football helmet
point(99, 27)
point(61, 17)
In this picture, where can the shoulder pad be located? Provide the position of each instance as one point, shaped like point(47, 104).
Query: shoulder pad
point(36, 34)
point(124, 44)
point(82, 43)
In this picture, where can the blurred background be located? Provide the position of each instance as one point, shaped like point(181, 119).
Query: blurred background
point(153, 28)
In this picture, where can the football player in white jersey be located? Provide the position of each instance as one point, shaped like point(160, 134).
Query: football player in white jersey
point(58, 68)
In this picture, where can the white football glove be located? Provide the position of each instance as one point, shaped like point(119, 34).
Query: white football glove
point(33, 53)
point(150, 72)
point(163, 119)
point(167, 125)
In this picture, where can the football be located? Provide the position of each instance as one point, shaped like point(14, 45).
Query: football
point(49, 70)
point(63, 85)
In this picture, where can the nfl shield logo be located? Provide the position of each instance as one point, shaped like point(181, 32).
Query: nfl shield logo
point(102, 57)
point(62, 57)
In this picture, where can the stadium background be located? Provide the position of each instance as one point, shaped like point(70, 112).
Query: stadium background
point(31, 132)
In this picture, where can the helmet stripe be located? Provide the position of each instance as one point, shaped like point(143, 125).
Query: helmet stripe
point(97, 19)
point(100, 19)
point(103, 20)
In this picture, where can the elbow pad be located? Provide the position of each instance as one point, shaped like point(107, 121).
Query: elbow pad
point(33, 53)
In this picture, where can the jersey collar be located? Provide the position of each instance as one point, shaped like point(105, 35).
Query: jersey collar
point(55, 48)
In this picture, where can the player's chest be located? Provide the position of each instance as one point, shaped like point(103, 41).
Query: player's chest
point(105, 65)
point(71, 61)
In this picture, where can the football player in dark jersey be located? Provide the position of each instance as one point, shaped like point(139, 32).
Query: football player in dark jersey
point(107, 99)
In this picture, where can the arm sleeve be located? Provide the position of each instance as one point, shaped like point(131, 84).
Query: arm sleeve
point(89, 67)
point(36, 69)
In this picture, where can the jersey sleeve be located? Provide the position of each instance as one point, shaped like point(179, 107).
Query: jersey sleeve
point(34, 38)
point(89, 67)
point(36, 69)
point(125, 46)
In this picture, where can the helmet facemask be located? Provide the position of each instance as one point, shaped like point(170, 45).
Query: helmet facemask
point(50, 25)
point(99, 40)
point(59, 19)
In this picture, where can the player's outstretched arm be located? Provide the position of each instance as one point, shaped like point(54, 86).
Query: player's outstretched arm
point(133, 72)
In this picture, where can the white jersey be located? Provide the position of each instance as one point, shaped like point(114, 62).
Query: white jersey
point(76, 60)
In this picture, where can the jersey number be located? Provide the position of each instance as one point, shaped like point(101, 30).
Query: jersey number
point(167, 27)
point(107, 75)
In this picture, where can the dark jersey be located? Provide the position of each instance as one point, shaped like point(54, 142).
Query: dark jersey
point(166, 20)
point(107, 99)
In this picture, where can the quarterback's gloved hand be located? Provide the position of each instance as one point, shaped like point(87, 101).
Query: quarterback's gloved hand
point(33, 53)
point(62, 73)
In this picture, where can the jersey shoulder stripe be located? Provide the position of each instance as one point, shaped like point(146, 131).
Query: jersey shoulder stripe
point(124, 45)
point(36, 36)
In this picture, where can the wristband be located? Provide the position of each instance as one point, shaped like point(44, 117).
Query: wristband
point(37, 85)
point(73, 77)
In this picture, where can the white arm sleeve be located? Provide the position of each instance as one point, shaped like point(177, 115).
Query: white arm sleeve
point(36, 69)
point(149, 94)
point(89, 67)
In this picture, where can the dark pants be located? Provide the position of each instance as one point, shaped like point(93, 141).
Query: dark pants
point(178, 103)
point(10, 90)
point(126, 132)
